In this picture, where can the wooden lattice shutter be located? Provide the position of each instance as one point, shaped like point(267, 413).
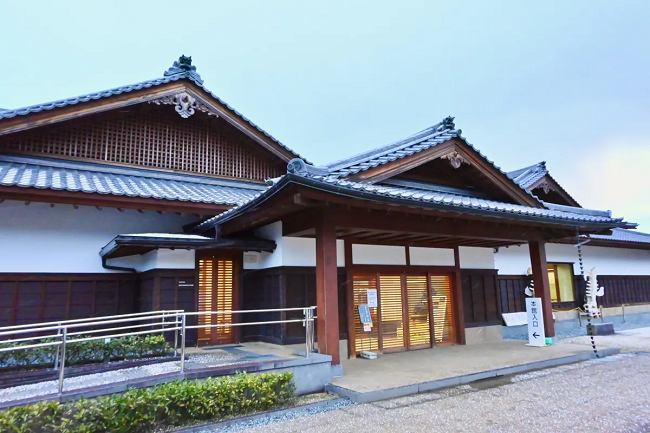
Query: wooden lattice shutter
point(224, 301)
point(418, 311)
point(206, 288)
point(392, 321)
point(443, 324)
point(364, 340)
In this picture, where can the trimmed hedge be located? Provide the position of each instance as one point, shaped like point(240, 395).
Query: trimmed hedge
point(85, 352)
point(147, 409)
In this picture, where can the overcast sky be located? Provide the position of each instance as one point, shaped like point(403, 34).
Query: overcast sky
point(562, 82)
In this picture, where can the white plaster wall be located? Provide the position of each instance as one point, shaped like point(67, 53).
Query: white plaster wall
point(607, 261)
point(431, 256)
point(378, 255)
point(289, 251)
point(62, 239)
point(476, 258)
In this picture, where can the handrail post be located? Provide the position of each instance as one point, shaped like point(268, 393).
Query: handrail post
point(306, 325)
point(58, 350)
point(64, 337)
point(176, 334)
point(183, 317)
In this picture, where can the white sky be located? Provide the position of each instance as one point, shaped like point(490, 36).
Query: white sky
point(564, 82)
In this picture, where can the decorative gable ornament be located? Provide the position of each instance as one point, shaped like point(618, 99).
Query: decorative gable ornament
point(184, 104)
point(545, 186)
point(455, 159)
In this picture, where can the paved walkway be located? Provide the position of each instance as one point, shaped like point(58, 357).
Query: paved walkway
point(407, 368)
point(607, 395)
point(631, 340)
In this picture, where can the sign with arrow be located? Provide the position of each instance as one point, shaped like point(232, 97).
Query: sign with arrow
point(536, 336)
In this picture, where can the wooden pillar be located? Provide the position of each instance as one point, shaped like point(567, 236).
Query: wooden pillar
point(542, 286)
point(459, 311)
point(327, 302)
point(349, 296)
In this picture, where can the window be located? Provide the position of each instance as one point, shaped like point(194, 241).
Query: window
point(560, 278)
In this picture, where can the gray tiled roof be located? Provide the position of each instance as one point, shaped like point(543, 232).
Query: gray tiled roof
point(623, 235)
point(423, 140)
point(95, 178)
point(188, 75)
point(436, 134)
point(445, 199)
point(527, 176)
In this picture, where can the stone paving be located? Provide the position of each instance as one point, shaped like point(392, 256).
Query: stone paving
point(605, 395)
point(631, 340)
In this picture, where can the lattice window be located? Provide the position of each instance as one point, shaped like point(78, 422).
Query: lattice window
point(155, 137)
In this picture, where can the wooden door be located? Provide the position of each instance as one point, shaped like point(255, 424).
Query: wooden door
point(216, 293)
point(364, 340)
point(392, 313)
point(418, 311)
point(442, 309)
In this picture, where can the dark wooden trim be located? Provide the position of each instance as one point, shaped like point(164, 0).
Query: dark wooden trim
point(327, 288)
point(400, 269)
point(540, 275)
point(457, 299)
point(349, 295)
point(27, 276)
point(480, 324)
point(570, 201)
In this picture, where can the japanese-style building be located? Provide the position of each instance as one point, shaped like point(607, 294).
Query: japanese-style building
point(159, 195)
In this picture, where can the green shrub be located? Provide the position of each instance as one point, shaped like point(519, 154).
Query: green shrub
point(143, 410)
point(86, 351)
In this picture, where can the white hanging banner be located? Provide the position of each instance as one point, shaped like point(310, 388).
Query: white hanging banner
point(536, 336)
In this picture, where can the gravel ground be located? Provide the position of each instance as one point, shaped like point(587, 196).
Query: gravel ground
point(51, 386)
point(605, 395)
point(631, 340)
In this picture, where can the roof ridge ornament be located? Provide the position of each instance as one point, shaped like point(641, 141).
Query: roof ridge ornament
point(300, 167)
point(446, 124)
point(184, 66)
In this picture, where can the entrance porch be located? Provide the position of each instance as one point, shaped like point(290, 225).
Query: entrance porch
point(413, 372)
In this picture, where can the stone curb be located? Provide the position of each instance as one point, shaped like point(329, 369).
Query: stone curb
point(416, 388)
point(223, 424)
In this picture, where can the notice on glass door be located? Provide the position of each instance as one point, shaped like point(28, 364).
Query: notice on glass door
point(372, 298)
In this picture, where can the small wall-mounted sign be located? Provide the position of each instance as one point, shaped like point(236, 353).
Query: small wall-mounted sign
point(364, 315)
point(372, 298)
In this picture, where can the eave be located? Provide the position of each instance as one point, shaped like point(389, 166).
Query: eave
point(108, 200)
point(128, 245)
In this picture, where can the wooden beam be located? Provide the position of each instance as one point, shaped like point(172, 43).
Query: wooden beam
point(542, 286)
point(457, 300)
point(327, 289)
point(408, 224)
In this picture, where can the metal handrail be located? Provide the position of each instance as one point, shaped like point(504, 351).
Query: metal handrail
point(89, 319)
point(177, 323)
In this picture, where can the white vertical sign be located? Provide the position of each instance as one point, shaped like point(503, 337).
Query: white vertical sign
point(536, 336)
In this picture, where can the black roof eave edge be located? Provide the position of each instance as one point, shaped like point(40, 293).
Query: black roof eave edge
point(191, 244)
point(324, 187)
